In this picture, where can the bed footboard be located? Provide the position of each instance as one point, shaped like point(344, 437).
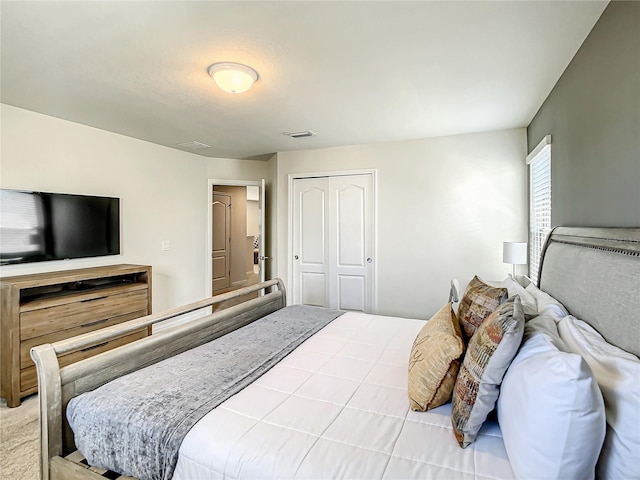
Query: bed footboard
point(57, 386)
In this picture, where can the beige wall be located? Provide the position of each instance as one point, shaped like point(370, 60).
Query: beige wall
point(445, 205)
point(163, 194)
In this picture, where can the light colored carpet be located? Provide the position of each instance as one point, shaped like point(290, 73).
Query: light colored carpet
point(20, 440)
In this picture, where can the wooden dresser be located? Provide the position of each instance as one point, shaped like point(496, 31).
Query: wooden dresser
point(47, 307)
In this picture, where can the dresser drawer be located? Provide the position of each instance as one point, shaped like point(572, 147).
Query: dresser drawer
point(28, 376)
point(36, 323)
point(27, 345)
point(28, 379)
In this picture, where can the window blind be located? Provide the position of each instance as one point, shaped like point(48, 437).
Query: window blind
point(539, 203)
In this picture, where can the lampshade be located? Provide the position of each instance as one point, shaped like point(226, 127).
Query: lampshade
point(233, 77)
point(514, 253)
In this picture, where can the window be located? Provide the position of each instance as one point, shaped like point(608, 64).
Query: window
point(539, 161)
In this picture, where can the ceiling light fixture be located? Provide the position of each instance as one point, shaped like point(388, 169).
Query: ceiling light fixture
point(233, 77)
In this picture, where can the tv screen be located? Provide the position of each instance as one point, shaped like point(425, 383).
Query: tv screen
point(41, 226)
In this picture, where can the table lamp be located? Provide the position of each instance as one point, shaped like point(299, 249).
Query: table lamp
point(514, 253)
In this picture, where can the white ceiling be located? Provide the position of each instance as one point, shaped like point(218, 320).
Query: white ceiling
point(353, 72)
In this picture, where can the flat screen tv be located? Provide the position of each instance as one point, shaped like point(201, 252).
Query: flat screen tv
point(41, 226)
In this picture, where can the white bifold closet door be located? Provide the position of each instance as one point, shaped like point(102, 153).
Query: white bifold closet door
point(333, 242)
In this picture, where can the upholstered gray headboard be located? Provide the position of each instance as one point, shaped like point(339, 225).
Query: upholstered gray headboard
point(595, 273)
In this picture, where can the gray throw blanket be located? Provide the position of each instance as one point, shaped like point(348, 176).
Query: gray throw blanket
point(135, 424)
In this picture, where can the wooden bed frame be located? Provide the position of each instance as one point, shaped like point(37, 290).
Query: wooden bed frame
point(57, 386)
point(605, 262)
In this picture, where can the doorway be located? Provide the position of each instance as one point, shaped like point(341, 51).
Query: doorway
point(235, 245)
point(332, 240)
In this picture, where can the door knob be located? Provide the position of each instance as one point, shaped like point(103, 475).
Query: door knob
point(296, 257)
point(369, 260)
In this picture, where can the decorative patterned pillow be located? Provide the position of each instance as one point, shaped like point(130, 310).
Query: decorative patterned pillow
point(488, 356)
point(479, 301)
point(435, 360)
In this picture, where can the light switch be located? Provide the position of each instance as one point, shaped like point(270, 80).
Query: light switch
point(165, 245)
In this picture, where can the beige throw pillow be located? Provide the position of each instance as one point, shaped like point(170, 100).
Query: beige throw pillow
point(434, 361)
point(488, 356)
point(479, 301)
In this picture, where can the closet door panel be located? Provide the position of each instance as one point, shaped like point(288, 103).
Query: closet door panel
point(313, 289)
point(350, 225)
point(310, 242)
point(351, 242)
point(312, 224)
point(333, 242)
point(351, 293)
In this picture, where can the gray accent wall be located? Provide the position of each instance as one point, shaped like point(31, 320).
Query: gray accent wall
point(593, 116)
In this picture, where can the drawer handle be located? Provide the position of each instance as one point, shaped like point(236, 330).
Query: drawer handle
point(91, 324)
point(94, 346)
point(92, 299)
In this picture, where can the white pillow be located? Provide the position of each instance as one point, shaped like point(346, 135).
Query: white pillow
point(618, 375)
point(528, 301)
point(550, 409)
point(545, 301)
point(529, 304)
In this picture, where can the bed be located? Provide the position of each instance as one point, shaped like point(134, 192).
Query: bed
point(335, 404)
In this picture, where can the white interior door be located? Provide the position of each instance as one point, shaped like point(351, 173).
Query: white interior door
point(310, 242)
point(261, 246)
point(351, 243)
point(333, 242)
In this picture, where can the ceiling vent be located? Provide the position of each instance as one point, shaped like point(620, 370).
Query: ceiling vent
point(300, 134)
point(194, 145)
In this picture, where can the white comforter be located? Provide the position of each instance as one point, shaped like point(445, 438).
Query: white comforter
point(337, 407)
